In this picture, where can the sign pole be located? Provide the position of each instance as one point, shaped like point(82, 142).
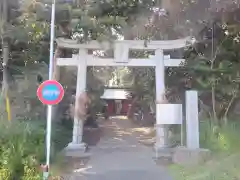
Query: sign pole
point(49, 108)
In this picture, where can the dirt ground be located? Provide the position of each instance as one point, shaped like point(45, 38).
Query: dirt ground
point(107, 128)
point(144, 134)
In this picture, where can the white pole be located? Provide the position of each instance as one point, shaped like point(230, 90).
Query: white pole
point(49, 109)
point(52, 35)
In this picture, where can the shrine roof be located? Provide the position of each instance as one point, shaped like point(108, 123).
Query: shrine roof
point(116, 94)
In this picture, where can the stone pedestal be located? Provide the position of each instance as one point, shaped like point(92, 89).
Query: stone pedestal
point(189, 157)
point(77, 147)
point(165, 152)
point(76, 150)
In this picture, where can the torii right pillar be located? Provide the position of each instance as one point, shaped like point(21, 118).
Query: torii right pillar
point(161, 129)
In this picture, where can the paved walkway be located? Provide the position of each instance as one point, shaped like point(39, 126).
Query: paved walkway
point(119, 156)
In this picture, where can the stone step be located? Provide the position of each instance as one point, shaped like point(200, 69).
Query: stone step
point(75, 153)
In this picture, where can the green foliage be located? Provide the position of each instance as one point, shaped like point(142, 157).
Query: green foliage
point(22, 150)
point(95, 86)
point(29, 33)
point(226, 167)
point(220, 139)
point(144, 84)
point(212, 66)
point(93, 19)
point(61, 136)
point(223, 143)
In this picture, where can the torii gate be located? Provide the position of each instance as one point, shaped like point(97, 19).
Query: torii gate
point(121, 58)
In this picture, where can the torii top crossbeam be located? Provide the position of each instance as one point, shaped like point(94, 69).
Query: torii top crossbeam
point(131, 44)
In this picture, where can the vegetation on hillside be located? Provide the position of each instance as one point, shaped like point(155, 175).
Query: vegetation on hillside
point(224, 162)
point(22, 150)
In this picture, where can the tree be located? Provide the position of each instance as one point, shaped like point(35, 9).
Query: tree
point(8, 13)
point(100, 20)
point(212, 64)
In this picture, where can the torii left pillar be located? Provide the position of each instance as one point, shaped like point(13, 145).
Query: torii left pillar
point(77, 146)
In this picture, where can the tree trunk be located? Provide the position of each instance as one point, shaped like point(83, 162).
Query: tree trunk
point(214, 104)
point(213, 90)
point(5, 54)
point(228, 108)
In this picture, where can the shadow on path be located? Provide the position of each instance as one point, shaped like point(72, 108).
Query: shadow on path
point(119, 155)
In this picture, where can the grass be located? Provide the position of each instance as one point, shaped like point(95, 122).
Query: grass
point(22, 150)
point(225, 167)
point(225, 161)
point(22, 147)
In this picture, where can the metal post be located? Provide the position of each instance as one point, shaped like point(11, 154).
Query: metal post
point(49, 109)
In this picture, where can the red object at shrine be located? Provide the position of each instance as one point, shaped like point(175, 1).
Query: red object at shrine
point(110, 107)
point(125, 106)
point(115, 96)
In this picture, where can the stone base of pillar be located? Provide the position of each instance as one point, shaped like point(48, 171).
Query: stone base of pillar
point(162, 146)
point(76, 150)
point(163, 153)
point(191, 157)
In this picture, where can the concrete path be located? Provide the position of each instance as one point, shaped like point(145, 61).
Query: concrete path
point(119, 156)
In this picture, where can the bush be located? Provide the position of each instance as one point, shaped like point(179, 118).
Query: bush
point(220, 139)
point(22, 150)
point(224, 143)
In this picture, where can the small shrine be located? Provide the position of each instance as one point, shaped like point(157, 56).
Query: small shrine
point(117, 100)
